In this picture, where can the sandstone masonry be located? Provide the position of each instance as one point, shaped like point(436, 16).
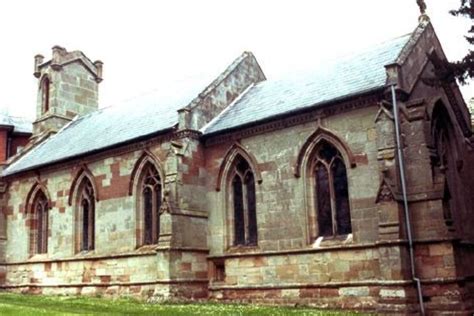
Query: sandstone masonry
point(227, 169)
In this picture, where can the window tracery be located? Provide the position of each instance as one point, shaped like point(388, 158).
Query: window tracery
point(244, 205)
point(86, 216)
point(151, 195)
point(39, 225)
point(331, 192)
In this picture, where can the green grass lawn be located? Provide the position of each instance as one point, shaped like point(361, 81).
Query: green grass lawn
point(17, 304)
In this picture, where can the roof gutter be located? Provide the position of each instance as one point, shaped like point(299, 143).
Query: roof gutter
point(405, 199)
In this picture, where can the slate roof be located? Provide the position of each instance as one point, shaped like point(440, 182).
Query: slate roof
point(19, 124)
point(155, 112)
point(339, 79)
point(136, 118)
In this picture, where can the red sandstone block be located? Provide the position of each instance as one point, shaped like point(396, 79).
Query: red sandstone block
point(185, 266)
point(309, 293)
point(440, 249)
point(422, 250)
point(361, 159)
point(9, 210)
point(201, 274)
point(35, 290)
point(445, 272)
point(34, 280)
point(328, 292)
point(135, 289)
point(260, 262)
point(433, 260)
point(201, 293)
point(267, 166)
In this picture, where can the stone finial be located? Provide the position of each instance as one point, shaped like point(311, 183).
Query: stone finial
point(58, 51)
point(422, 5)
point(423, 18)
point(98, 65)
point(38, 61)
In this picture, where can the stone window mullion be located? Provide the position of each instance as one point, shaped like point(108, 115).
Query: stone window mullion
point(149, 212)
point(243, 205)
point(331, 193)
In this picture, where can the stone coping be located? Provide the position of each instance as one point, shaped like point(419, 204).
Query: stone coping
point(108, 284)
point(142, 251)
point(337, 247)
point(216, 286)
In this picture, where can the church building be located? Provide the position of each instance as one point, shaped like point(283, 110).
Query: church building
point(308, 189)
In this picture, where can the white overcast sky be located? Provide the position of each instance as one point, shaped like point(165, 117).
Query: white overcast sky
point(146, 44)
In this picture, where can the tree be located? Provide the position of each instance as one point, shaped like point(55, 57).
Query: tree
point(446, 72)
point(464, 69)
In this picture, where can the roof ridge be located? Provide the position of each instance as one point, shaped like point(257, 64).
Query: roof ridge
point(357, 73)
point(339, 60)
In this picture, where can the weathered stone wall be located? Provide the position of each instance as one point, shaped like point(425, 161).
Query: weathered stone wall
point(3, 144)
point(368, 269)
point(281, 205)
point(73, 89)
point(285, 268)
point(141, 274)
point(18, 141)
point(443, 242)
point(117, 264)
point(364, 272)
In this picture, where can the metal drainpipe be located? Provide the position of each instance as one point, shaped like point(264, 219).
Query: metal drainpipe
point(405, 201)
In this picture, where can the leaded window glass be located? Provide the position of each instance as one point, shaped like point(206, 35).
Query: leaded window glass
point(331, 192)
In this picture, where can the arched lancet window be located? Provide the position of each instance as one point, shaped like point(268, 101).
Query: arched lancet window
point(244, 204)
point(39, 224)
point(85, 224)
point(151, 197)
point(446, 153)
point(331, 192)
point(45, 85)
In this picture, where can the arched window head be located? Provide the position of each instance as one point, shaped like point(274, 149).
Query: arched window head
point(244, 204)
point(45, 85)
point(151, 197)
point(331, 192)
point(85, 225)
point(39, 224)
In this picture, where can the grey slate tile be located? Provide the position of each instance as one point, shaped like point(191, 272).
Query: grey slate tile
point(155, 112)
point(342, 78)
point(136, 118)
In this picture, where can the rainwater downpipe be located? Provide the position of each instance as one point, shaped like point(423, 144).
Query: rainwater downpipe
point(405, 200)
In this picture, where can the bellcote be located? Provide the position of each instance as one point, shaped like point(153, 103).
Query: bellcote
point(67, 87)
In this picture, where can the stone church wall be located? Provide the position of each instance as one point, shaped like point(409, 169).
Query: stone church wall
point(116, 266)
point(285, 267)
